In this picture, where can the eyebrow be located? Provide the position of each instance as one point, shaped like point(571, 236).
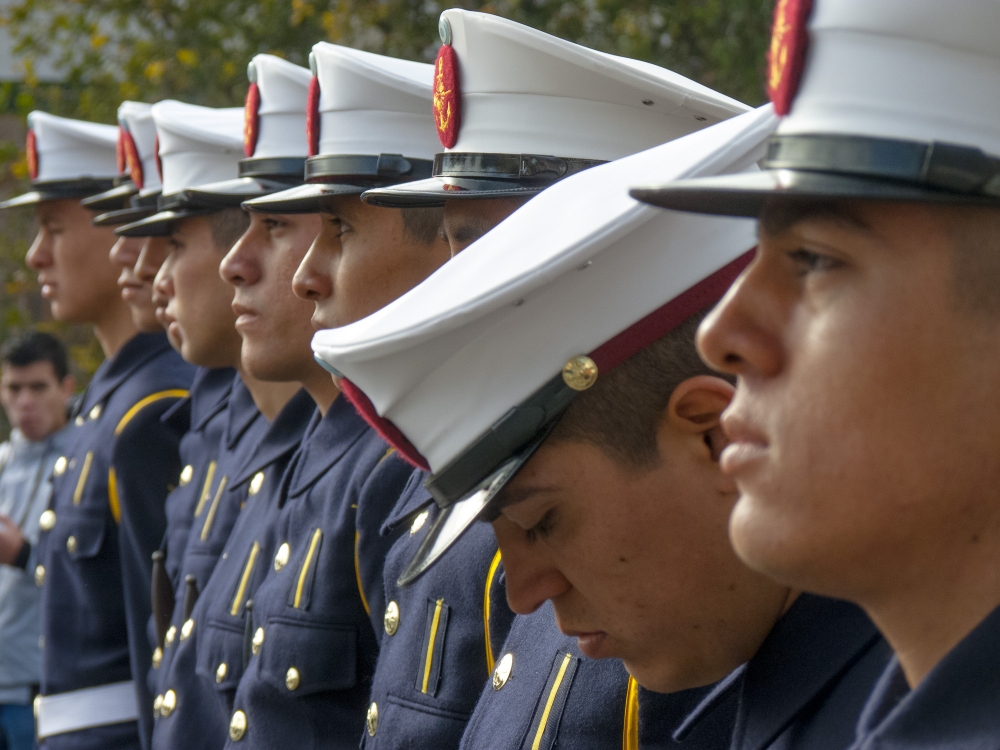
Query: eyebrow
point(508, 497)
point(779, 217)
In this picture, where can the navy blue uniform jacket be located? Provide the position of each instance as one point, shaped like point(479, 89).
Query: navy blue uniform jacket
point(108, 497)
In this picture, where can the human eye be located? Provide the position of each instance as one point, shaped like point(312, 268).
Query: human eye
point(810, 261)
point(542, 529)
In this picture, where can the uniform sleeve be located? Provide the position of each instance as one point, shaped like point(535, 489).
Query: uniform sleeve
point(145, 466)
point(378, 497)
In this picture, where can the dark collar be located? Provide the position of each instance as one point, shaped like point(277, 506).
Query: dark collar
point(242, 412)
point(954, 707)
point(414, 498)
point(113, 372)
point(282, 436)
point(208, 396)
point(325, 444)
point(809, 648)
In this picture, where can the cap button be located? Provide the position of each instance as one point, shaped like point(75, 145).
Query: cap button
point(371, 720)
point(47, 520)
point(502, 672)
point(444, 30)
point(580, 373)
point(237, 726)
point(391, 619)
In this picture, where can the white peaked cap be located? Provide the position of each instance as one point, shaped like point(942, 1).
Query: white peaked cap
point(197, 144)
point(73, 149)
point(566, 273)
point(284, 90)
point(525, 91)
point(893, 100)
point(920, 70)
point(373, 104)
point(137, 119)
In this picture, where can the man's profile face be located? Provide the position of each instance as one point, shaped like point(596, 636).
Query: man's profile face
point(468, 219)
point(71, 257)
point(361, 260)
point(198, 315)
point(154, 251)
point(273, 323)
point(865, 425)
point(136, 293)
point(637, 562)
point(34, 398)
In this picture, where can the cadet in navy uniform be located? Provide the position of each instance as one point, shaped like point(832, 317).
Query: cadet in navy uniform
point(873, 304)
point(107, 511)
point(600, 470)
point(255, 441)
point(314, 645)
point(563, 135)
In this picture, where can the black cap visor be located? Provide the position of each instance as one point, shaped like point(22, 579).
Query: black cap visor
point(59, 190)
point(160, 224)
point(434, 192)
point(304, 199)
point(123, 216)
point(231, 193)
point(111, 200)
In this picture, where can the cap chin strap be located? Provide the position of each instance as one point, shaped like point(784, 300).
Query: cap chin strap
point(523, 168)
point(380, 169)
point(944, 166)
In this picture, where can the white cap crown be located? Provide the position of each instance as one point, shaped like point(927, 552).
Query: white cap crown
point(68, 149)
point(136, 118)
point(198, 144)
point(283, 89)
point(372, 104)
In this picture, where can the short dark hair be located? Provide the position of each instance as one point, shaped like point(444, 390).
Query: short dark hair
point(228, 225)
point(620, 413)
point(35, 346)
point(422, 224)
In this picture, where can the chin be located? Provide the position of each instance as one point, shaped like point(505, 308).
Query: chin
point(771, 542)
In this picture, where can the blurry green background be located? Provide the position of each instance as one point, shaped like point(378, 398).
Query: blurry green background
point(80, 58)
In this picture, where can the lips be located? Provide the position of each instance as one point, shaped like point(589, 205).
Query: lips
point(748, 446)
point(48, 287)
point(244, 314)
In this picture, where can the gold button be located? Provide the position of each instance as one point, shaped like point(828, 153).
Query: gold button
point(79, 420)
point(169, 703)
point(391, 619)
point(186, 473)
point(71, 545)
point(372, 719)
point(39, 575)
point(157, 657)
point(580, 373)
point(221, 671)
point(419, 521)
point(258, 640)
point(292, 678)
point(47, 520)
point(60, 466)
point(94, 414)
point(502, 673)
point(186, 628)
point(171, 634)
point(257, 482)
point(237, 726)
point(157, 703)
point(281, 558)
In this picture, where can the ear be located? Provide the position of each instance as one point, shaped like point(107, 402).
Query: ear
point(696, 406)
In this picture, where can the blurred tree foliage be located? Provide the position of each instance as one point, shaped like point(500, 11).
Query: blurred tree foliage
point(197, 50)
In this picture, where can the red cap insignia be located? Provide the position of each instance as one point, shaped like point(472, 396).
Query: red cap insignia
point(159, 161)
point(251, 120)
point(447, 98)
point(31, 152)
point(120, 150)
point(132, 160)
point(312, 117)
point(786, 57)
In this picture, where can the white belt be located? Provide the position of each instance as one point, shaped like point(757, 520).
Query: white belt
point(86, 708)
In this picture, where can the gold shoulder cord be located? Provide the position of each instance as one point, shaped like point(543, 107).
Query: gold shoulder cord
point(490, 576)
point(630, 732)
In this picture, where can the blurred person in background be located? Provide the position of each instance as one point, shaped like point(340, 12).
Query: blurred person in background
point(35, 389)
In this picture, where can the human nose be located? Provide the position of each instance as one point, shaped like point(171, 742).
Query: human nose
point(530, 578)
point(311, 281)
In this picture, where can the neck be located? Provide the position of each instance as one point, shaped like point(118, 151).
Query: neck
point(270, 398)
point(114, 329)
point(321, 387)
point(938, 604)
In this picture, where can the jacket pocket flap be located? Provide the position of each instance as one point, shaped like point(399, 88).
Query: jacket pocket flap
point(220, 655)
point(301, 658)
point(83, 534)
